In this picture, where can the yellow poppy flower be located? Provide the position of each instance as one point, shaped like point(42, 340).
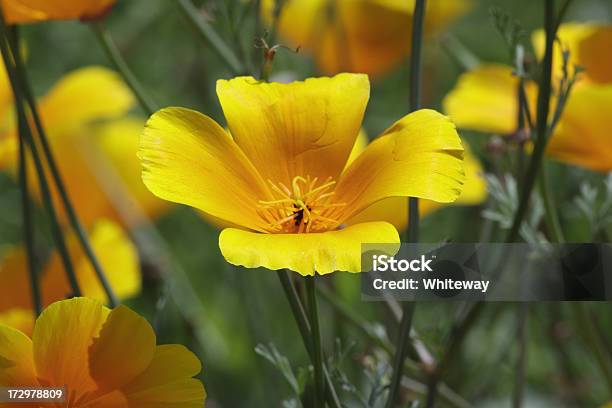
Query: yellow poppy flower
point(588, 45)
point(369, 36)
point(85, 96)
point(104, 358)
point(485, 99)
point(395, 209)
point(31, 11)
point(114, 250)
point(281, 173)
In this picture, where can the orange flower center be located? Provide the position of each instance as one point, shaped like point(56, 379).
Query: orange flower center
point(305, 207)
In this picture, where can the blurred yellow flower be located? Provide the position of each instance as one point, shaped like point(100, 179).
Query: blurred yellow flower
point(104, 358)
point(281, 173)
point(114, 250)
point(87, 151)
point(369, 36)
point(395, 209)
point(485, 99)
point(31, 11)
point(589, 48)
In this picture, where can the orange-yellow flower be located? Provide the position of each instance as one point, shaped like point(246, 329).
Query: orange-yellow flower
point(94, 145)
point(485, 99)
point(369, 36)
point(281, 173)
point(395, 209)
point(114, 250)
point(31, 11)
point(588, 45)
point(104, 358)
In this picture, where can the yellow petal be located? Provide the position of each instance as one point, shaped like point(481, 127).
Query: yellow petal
point(15, 290)
point(187, 158)
point(117, 255)
point(583, 135)
point(588, 45)
point(123, 350)
point(304, 128)
point(82, 96)
point(485, 99)
point(419, 156)
point(119, 141)
point(306, 254)
point(167, 381)
point(16, 359)
point(395, 209)
point(6, 99)
point(20, 319)
point(29, 11)
point(62, 336)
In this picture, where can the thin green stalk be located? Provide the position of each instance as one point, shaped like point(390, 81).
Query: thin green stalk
point(210, 36)
point(316, 339)
point(9, 58)
point(113, 54)
point(550, 211)
point(519, 386)
point(412, 233)
point(22, 80)
point(304, 327)
point(541, 122)
point(598, 347)
point(27, 221)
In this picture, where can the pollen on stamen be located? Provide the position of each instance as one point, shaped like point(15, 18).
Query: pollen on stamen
point(305, 207)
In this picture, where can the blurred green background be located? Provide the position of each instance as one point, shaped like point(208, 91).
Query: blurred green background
point(233, 309)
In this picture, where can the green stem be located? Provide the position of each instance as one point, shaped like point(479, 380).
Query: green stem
point(316, 339)
point(597, 345)
point(14, 78)
point(541, 123)
point(517, 398)
point(27, 220)
point(113, 54)
point(457, 337)
point(412, 233)
point(22, 80)
point(551, 217)
point(304, 327)
point(210, 36)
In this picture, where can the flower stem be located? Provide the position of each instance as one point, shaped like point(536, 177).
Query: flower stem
point(517, 398)
point(113, 54)
point(304, 327)
point(597, 345)
point(21, 84)
point(316, 339)
point(27, 220)
point(210, 36)
point(541, 122)
point(412, 233)
point(10, 59)
point(551, 217)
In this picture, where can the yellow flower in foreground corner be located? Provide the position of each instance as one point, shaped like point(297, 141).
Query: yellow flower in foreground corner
point(116, 254)
point(485, 99)
point(370, 36)
point(30, 11)
point(104, 358)
point(395, 209)
point(281, 173)
point(92, 146)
